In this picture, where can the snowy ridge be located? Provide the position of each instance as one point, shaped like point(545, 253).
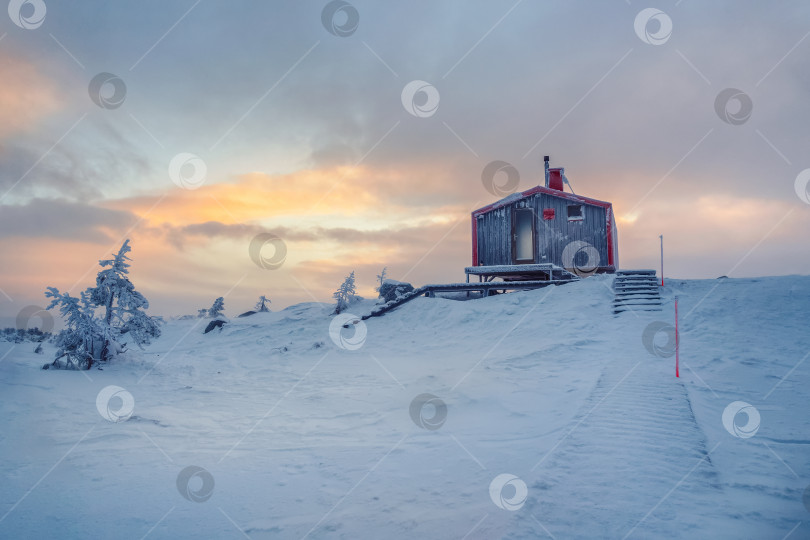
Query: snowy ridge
point(305, 438)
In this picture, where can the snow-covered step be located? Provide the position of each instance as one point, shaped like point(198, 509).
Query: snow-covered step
point(639, 288)
point(636, 307)
point(636, 290)
point(619, 310)
point(637, 300)
point(636, 282)
point(631, 290)
point(643, 272)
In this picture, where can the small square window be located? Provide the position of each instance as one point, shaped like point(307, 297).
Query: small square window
point(575, 212)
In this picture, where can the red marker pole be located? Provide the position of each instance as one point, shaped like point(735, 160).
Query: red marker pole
point(677, 340)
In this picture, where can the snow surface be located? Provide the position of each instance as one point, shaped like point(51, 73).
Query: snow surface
point(303, 438)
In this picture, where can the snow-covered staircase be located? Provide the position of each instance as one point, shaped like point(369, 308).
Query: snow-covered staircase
point(636, 290)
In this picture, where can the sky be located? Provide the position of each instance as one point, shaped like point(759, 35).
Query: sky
point(340, 137)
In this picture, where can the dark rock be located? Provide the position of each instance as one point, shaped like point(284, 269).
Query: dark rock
point(247, 314)
point(214, 324)
point(392, 289)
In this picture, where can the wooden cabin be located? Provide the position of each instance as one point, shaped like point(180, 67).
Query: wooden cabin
point(532, 234)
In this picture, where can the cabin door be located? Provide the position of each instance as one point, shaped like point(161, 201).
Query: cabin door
point(523, 236)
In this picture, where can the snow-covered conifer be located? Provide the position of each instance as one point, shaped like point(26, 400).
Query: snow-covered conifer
point(82, 333)
point(122, 305)
point(88, 337)
point(217, 308)
point(260, 305)
point(345, 294)
point(381, 278)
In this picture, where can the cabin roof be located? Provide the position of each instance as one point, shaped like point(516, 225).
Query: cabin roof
point(541, 189)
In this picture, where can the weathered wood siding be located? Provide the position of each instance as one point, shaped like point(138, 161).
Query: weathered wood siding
point(495, 235)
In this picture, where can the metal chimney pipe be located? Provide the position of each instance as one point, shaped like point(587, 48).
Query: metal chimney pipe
point(545, 160)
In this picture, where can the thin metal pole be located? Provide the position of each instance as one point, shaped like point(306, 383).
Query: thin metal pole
point(677, 342)
point(661, 236)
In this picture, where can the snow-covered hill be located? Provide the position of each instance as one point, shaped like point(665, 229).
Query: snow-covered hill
point(291, 433)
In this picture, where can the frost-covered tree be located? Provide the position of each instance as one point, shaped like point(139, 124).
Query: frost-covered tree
point(216, 310)
point(345, 294)
point(19, 335)
point(381, 279)
point(260, 305)
point(90, 336)
point(121, 304)
point(83, 332)
point(202, 313)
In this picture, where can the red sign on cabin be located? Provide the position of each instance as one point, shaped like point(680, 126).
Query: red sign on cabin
point(548, 213)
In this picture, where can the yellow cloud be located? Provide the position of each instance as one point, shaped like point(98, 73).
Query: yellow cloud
point(340, 197)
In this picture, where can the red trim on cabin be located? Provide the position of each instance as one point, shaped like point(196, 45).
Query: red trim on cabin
point(609, 230)
point(474, 240)
point(540, 189)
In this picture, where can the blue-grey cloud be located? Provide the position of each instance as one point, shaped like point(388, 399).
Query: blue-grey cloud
point(66, 220)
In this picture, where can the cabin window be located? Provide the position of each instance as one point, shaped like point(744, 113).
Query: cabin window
point(575, 212)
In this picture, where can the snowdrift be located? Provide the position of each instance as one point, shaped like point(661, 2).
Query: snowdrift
point(526, 415)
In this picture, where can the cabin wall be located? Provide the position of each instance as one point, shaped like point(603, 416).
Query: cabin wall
point(494, 231)
point(555, 234)
point(495, 237)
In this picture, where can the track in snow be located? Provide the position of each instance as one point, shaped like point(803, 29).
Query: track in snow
point(638, 444)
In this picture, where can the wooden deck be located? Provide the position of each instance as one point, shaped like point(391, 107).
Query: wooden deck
point(485, 287)
point(520, 272)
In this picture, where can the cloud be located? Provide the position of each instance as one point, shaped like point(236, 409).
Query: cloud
point(26, 96)
point(93, 160)
point(60, 219)
point(318, 148)
point(715, 234)
point(340, 238)
point(319, 198)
